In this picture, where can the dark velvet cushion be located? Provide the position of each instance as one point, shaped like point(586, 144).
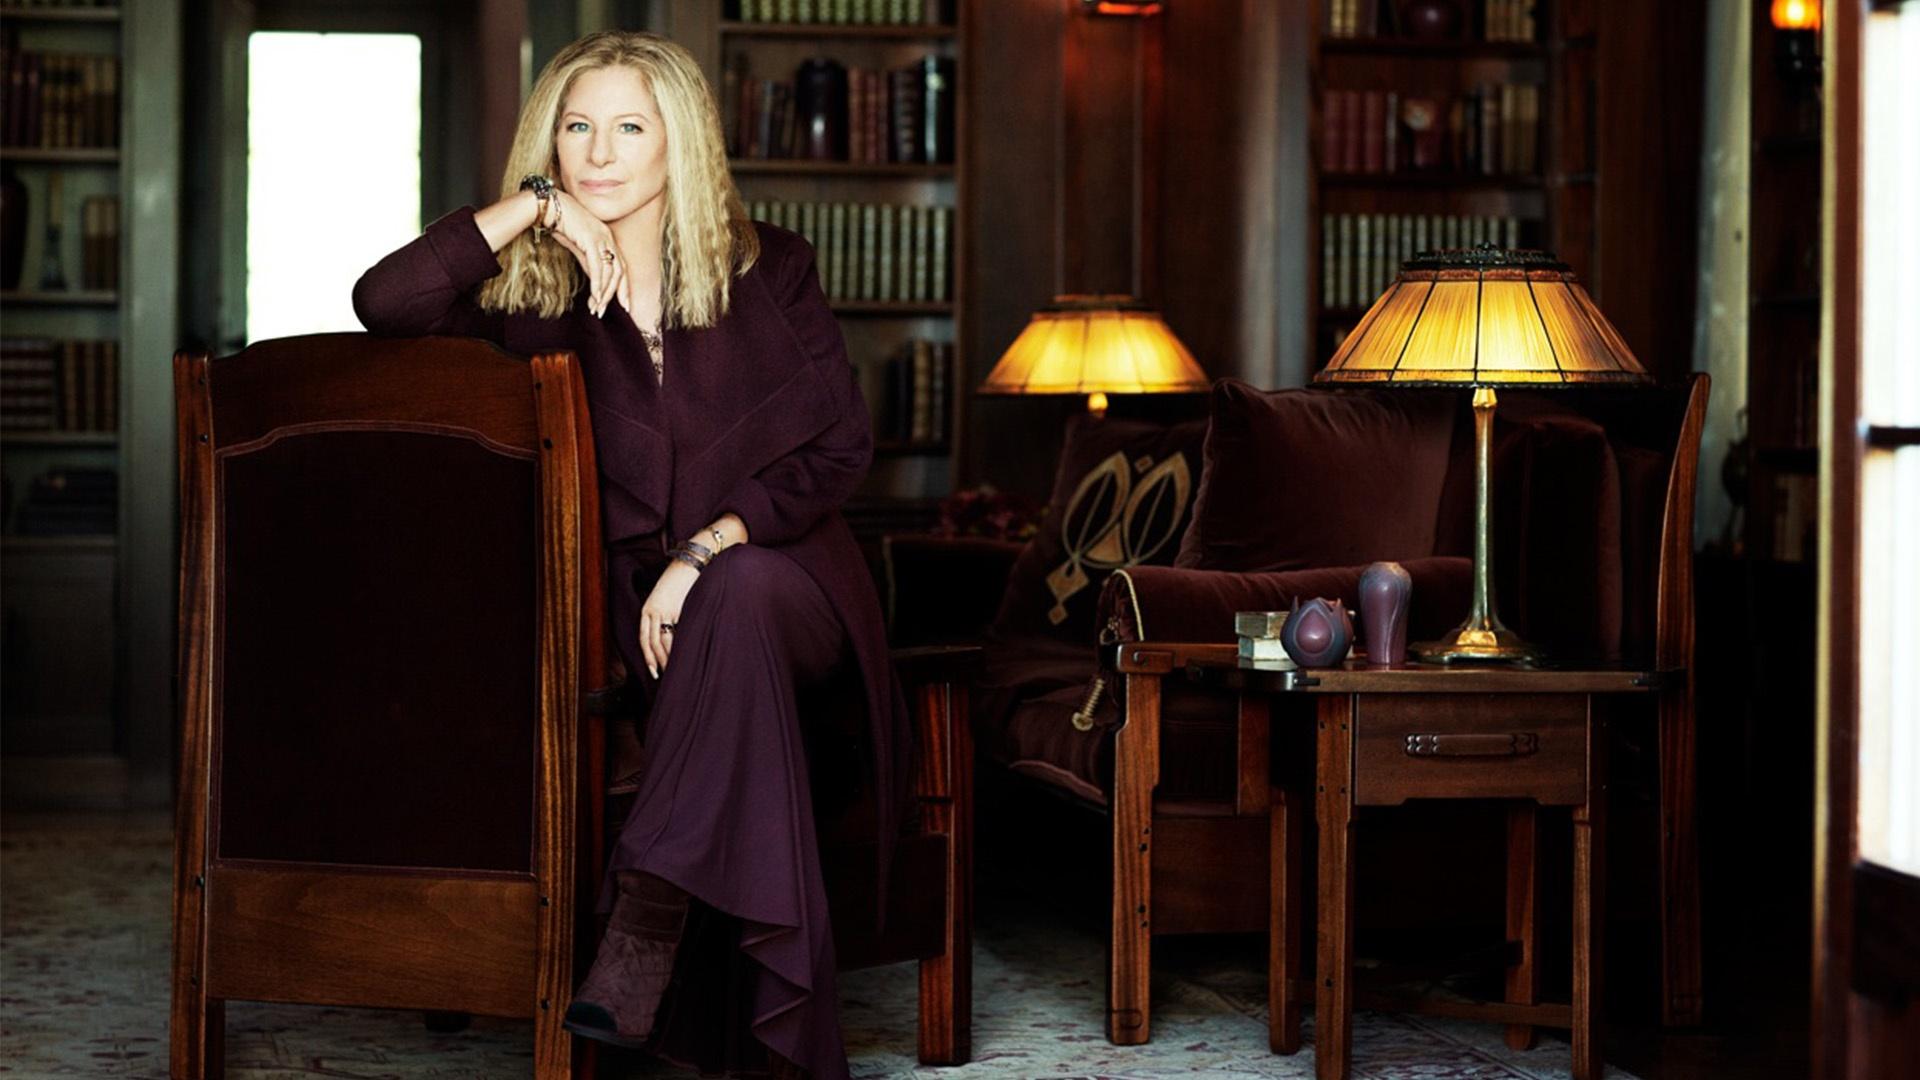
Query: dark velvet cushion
point(1295, 479)
point(1122, 496)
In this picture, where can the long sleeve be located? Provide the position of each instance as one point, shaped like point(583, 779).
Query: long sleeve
point(426, 287)
point(787, 498)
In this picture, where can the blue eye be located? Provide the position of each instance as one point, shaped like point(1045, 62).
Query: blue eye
point(577, 125)
point(631, 126)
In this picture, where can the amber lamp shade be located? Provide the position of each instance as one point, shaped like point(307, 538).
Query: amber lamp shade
point(1096, 345)
point(1796, 14)
point(1483, 318)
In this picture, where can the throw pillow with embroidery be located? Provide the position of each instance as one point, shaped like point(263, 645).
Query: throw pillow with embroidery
point(1122, 497)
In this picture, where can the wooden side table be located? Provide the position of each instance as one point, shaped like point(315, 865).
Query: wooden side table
point(1386, 735)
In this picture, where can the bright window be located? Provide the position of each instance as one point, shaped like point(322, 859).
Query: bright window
point(1889, 822)
point(333, 171)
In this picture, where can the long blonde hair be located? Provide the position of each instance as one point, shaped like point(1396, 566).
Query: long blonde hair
point(707, 239)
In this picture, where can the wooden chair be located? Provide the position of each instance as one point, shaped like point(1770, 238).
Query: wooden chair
point(1167, 866)
point(389, 565)
point(930, 898)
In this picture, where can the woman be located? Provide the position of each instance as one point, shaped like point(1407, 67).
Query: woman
point(729, 428)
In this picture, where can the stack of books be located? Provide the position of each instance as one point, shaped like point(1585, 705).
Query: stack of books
point(48, 385)
point(913, 397)
point(1492, 130)
point(900, 115)
point(1360, 253)
point(872, 251)
point(70, 502)
point(858, 12)
point(61, 101)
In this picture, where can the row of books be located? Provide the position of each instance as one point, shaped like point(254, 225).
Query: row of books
point(1360, 253)
point(1508, 20)
point(872, 251)
point(912, 403)
point(69, 501)
point(858, 12)
point(826, 112)
point(61, 101)
point(1491, 20)
point(1493, 130)
point(49, 385)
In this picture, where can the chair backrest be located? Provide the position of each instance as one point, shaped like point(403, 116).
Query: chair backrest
point(390, 590)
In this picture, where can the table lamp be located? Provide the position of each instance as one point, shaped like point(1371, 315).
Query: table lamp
point(1096, 345)
point(1483, 317)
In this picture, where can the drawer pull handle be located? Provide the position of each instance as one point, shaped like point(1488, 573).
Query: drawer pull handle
point(1514, 744)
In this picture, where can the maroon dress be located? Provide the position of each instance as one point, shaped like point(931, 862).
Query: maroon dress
point(760, 415)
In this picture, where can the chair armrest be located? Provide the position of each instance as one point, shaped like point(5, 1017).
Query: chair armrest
point(944, 588)
point(936, 679)
point(1173, 604)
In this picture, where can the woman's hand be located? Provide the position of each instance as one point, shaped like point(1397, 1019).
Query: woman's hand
point(591, 242)
point(661, 612)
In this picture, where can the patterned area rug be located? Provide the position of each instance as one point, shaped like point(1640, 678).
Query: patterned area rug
point(84, 992)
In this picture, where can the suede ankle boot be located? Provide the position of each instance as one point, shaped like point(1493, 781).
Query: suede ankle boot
point(621, 996)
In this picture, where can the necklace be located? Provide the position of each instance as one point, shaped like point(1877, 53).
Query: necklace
point(656, 351)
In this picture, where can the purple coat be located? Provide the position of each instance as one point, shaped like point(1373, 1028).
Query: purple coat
point(760, 415)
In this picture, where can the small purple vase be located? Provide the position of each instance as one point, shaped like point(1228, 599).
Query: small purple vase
point(1386, 592)
point(1317, 633)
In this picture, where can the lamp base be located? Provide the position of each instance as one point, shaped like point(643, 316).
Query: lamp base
point(1470, 644)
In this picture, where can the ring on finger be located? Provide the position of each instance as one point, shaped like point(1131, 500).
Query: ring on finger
point(606, 255)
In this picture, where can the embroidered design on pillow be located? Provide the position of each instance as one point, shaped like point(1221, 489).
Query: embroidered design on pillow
point(1115, 521)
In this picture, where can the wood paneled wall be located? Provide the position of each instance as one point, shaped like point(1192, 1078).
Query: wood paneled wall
point(1110, 155)
point(1168, 156)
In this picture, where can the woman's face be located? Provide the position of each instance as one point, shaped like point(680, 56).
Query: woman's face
point(611, 145)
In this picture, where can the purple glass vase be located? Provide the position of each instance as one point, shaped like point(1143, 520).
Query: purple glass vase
point(1317, 633)
point(1386, 592)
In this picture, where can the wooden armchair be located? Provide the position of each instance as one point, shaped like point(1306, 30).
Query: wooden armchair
point(1644, 449)
point(389, 565)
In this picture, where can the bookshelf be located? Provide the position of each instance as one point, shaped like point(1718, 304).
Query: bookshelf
point(897, 292)
point(1783, 311)
point(1477, 130)
point(86, 525)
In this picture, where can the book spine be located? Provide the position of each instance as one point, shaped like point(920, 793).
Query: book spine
point(920, 427)
point(1489, 131)
point(1343, 276)
point(840, 252)
point(937, 289)
point(921, 228)
point(884, 248)
point(868, 235)
point(1390, 133)
point(1326, 261)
